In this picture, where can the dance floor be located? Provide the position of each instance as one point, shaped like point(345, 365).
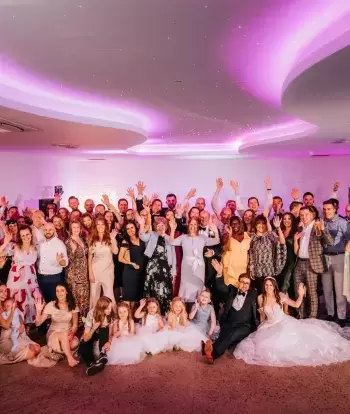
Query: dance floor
point(176, 382)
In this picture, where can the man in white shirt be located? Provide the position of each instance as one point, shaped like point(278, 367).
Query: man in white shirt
point(52, 259)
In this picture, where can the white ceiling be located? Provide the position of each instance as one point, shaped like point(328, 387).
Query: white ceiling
point(167, 77)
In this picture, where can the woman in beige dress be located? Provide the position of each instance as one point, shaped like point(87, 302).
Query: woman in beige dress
point(235, 252)
point(103, 245)
point(64, 323)
point(26, 349)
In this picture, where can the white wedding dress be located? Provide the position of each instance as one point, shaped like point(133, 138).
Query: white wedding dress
point(284, 341)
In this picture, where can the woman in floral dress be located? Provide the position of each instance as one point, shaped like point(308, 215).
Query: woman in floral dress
point(161, 266)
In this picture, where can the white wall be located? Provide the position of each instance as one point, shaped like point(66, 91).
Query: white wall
point(35, 176)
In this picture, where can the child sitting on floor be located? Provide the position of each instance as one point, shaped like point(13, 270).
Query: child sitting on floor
point(126, 347)
point(203, 315)
point(182, 335)
point(153, 332)
point(16, 323)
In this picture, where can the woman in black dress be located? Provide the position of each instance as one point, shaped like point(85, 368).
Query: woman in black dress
point(131, 254)
point(285, 279)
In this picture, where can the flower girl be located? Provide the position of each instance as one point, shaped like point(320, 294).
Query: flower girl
point(183, 335)
point(203, 315)
point(154, 335)
point(126, 348)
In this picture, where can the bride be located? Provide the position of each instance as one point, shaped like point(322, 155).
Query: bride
point(282, 340)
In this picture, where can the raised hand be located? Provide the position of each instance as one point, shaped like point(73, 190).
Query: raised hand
point(268, 183)
point(105, 199)
point(219, 183)
point(143, 302)
point(191, 193)
point(179, 209)
point(277, 222)
point(217, 266)
point(114, 234)
point(295, 194)
point(39, 304)
point(57, 198)
point(131, 193)
point(3, 201)
point(139, 219)
point(336, 186)
point(140, 186)
point(146, 208)
point(235, 186)
point(172, 225)
point(321, 224)
point(228, 230)
point(155, 196)
point(146, 201)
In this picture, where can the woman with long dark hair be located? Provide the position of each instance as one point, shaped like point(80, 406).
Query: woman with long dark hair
point(103, 245)
point(64, 323)
point(289, 228)
point(282, 340)
point(131, 254)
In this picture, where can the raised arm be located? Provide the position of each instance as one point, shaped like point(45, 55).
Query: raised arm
point(261, 309)
point(41, 315)
point(277, 223)
point(215, 200)
point(240, 206)
point(114, 245)
point(194, 310)
point(294, 303)
point(139, 313)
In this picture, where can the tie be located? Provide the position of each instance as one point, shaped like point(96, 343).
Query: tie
point(241, 293)
point(202, 228)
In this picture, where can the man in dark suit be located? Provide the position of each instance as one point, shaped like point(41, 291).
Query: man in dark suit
point(239, 318)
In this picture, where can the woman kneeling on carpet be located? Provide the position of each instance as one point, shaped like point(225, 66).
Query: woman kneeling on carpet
point(282, 340)
point(60, 337)
point(97, 327)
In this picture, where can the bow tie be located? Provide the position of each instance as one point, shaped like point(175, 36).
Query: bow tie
point(241, 293)
point(202, 228)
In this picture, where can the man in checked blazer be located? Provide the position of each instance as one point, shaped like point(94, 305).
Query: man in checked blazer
point(309, 242)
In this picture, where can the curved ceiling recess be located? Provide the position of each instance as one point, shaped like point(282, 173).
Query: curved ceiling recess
point(165, 87)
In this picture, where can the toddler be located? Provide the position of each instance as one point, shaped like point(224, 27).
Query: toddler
point(17, 321)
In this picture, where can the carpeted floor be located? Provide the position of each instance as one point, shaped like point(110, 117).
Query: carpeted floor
point(176, 382)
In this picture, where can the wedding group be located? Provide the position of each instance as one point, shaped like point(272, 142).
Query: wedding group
point(115, 284)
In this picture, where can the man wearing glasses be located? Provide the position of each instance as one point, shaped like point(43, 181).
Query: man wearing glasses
point(239, 318)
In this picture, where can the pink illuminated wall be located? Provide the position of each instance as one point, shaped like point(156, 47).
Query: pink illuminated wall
point(35, 177)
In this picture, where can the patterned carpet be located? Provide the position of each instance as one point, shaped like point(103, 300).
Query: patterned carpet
point(176, 382)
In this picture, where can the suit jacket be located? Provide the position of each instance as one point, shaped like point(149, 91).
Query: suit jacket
point(230, 292)
point(316, 244)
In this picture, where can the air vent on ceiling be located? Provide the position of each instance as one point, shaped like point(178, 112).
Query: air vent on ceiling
point(11, 126)
point(67, 146)
point(96, 159)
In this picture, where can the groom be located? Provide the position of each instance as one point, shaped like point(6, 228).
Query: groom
point(239, 318)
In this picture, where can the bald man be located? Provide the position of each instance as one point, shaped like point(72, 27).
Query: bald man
point(52, 260)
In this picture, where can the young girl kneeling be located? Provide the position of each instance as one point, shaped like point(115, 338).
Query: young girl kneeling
point(126, 348)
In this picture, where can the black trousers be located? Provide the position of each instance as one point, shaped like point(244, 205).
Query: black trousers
point(230, 336)
point(48, 283)
point(86, 349)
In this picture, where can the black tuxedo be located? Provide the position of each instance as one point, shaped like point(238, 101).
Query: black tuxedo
point(235, 324)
